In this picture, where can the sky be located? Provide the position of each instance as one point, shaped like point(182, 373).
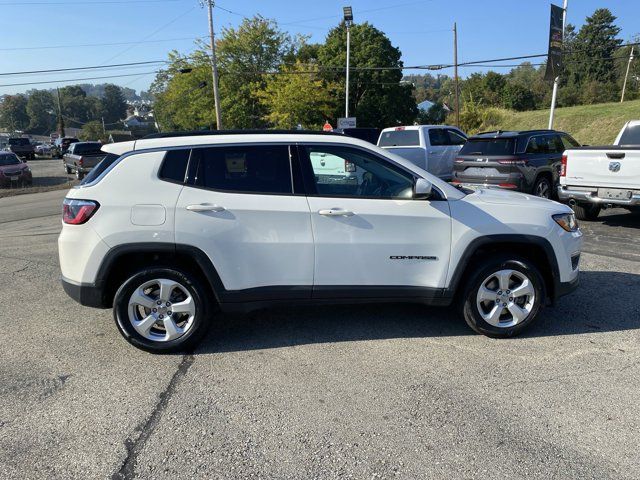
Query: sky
point(53, 34)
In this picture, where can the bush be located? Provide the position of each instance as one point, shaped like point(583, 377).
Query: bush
point(519, 98)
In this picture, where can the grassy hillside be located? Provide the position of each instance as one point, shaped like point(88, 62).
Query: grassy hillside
point(589, 124)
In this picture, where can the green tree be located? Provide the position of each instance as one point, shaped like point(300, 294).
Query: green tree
point(518, 97)
point(297, 96)
point(376, 97)
point(13, 113)
point(39, 108)
point(93, 131)
point(245, 53)
point(592, 51)
point(436, 115)
point(183, 94)
point(113, 104)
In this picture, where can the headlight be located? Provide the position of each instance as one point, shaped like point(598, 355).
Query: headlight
point(567, 221)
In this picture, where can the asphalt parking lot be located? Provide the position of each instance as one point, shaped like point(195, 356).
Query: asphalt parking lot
point(399, 391)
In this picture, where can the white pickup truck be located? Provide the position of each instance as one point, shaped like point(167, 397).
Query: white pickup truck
point(593, 178)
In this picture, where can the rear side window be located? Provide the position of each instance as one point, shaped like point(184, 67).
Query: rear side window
point(489, 146)
point(96, 171)
point(19, 141)
point(631, 136)
point(174, 165)
point(400, 138)
point(87, 148)
point(256, 169)
point(438, 137)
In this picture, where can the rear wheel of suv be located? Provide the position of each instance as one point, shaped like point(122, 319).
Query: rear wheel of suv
point(586, 212)
point(503, 296)
point(162, 310)
point(542, 187)
point(67, 169)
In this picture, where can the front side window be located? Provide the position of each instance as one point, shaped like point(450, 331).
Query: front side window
point(350, 172)
point(256, 169)
point(455, 138)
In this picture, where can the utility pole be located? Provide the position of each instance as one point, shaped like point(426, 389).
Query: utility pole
point(214, 66)
point(348, 20)
point(554, 95)
point(626, 75)
point(455, 73)
point(60, 119)
point(104, 130)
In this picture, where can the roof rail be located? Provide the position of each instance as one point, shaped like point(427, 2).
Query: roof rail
point(236, 132)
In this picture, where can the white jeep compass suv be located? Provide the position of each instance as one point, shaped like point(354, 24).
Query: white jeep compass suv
point(170, 229)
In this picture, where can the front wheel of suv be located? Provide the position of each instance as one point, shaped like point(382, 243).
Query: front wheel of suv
point(503, 297)
point(162, 310)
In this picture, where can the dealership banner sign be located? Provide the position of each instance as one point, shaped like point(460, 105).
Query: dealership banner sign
point(554, 60)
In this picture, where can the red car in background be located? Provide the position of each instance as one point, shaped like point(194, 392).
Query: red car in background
point(13, 171)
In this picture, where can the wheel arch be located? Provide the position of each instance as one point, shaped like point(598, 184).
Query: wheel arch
point(122, 261)
point(536, 249)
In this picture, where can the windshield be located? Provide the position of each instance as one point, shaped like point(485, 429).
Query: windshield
point(630, 136)
point(87, 148)
point(399, 138)
point(18, 141)
point(9, 160)
point(489, 146)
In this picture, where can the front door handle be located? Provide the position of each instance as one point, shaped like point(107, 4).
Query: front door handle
point(205, 207)
point(336, 212)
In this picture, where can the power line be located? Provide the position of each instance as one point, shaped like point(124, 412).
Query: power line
point(75, 79)
point(85, 3)
point(95, 67)
point(53, 47)
point(170, 22)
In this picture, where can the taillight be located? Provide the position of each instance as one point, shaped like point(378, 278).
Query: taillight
point(519, 161)
point(77, 212)
point(563, 166)
point(81, 161)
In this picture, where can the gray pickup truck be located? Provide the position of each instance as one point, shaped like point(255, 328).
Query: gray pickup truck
point(22, 148)
point(81, 157)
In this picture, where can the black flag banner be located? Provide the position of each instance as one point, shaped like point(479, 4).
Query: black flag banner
point(554, 60)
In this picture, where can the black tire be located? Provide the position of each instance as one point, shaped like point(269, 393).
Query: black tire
point(79, 174)
point(586, 211)
point(67, 169)
point(190, 338)
point(542, 187)
point(485, 269)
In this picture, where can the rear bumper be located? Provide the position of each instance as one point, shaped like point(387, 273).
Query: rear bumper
point(85, 294)
point(566, 194)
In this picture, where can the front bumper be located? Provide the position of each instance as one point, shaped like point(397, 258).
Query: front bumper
point(590, 196)
point(25, 178)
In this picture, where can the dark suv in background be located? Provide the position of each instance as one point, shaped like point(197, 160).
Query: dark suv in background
point(527, 161)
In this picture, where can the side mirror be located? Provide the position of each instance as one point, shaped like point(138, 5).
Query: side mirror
point(422, 189)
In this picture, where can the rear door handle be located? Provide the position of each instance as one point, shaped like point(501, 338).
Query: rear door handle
point(336, 212)
point(205, 207)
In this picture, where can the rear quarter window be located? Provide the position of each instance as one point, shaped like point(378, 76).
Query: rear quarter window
point(174, 165)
